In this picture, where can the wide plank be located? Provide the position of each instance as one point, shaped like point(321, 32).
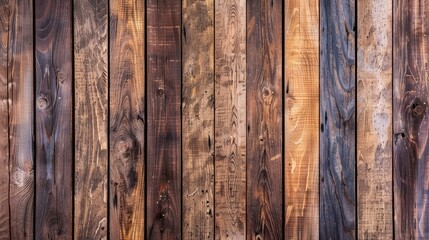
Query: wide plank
point(198, 119)
point(411, 118)
point(127, 119)
point(374, 120)
point(91, 119)
point(301, 137)
point(230, 119)
point(264, 119)
point(54, 129)
point(338, 120)
point(164, 73)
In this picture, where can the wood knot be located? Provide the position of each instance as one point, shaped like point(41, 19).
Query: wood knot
point(160, 92)
point(61, 76)
point(42, 103)
point(267, 95)
point(417, 108)
point(124, 146)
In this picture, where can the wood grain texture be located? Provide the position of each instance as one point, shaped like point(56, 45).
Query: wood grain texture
point(91, 117)
point(164, 126)
point(338, 123)
point(127, 119)
point(54, 128)
point(198, 119)
point(411, 118)
point(230, 119)
point(301, 119)
point(374, 120)
point(5, 10)
point(264, 120)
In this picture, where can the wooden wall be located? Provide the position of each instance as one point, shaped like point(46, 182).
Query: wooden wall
point(214, 119)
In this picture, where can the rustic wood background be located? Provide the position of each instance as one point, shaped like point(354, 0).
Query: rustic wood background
point(214, 119)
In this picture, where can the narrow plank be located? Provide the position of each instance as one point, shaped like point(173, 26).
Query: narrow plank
point(91, 117)
point(198, 119)
point(127, 119)
point(164, 121)
point(4, 121)
point(374, 120)
point(54, 127)
point(230, 119)
point(411, 118)
point(301, 119)
point(264, 120)
point(338, 123)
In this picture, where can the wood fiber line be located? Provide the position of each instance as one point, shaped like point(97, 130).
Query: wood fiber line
point(127, 119)
point(164, 122)
point(411, 118)
point(91, 118)
point(54, 128)
point(374, 120)
point(301, 119)
point(338, 123)
point(264, 120)
point(230, 117)
point(198, 119)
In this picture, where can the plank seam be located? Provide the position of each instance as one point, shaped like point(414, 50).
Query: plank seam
point(108, 120)
point(34, 121)
point(356, 121)
point(73, 119)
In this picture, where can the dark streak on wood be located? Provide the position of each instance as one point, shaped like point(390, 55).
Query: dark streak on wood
point(53, 119)
point(264, 118)
point(164, 126)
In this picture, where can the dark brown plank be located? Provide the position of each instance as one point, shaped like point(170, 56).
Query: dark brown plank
point(127, 119)
point(53, 119)
point(91, 117)
point(264, 120)
point(338, 123)
point(374, 120)
point(411, 118)
point(198, 119)
point(164, 120)
point(4, 121)
point(230, 119)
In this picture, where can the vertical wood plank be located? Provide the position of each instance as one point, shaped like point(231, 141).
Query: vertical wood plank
point(338, 123)
point(411, 118)
point(5, 10)
point(127, 119)
point(91, 143)
point(54, 128)
point(197, 119)
point(230, 119)
point(164, 121)
point(374, 120)
point(301, 119)
point(264, 120)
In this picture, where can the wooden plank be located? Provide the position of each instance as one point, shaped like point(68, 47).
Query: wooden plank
point(5, 9)
point(230, 119)
point(411, 118)
point(127, 119)
point(338, 123)
point(264, 120)
point(301, 119)
point(54, 127)
point(374, 120)
point(91, 139)
point(198, 119)
point(164, 121)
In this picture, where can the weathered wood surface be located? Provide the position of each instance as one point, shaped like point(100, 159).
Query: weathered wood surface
point(230, 119)
point(91, 118)
point(301, 138)
point(54, 129)
point(198, 119)
point(164, 126)
point(338, 123)
point(410, 118)
point(374, 120)
point(127, 119)
point(264, 120)
point(5, 10)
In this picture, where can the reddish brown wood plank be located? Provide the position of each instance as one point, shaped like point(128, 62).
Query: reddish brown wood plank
point(164, 121)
